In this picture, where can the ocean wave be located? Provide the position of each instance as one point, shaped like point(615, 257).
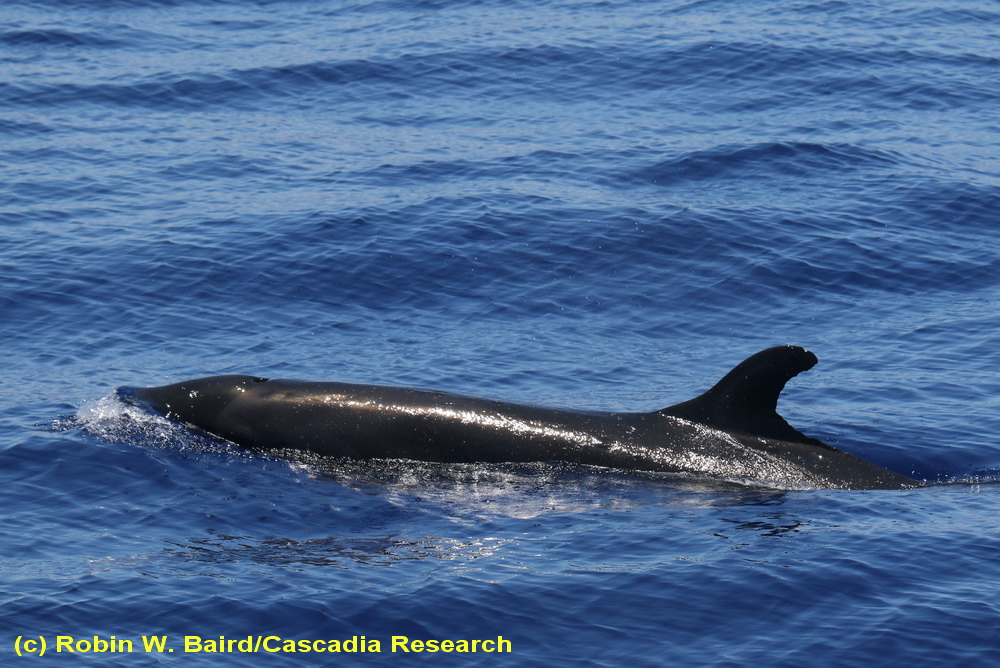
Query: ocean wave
point(765, 160)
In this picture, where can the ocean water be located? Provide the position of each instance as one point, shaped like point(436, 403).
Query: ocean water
point(589, 204)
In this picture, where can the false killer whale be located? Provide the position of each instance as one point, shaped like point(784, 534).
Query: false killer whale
point(732, 431)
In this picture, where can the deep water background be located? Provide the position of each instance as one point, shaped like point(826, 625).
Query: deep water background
point(585, 204)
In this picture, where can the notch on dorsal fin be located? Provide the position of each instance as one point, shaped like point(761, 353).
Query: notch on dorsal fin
point(745, 400)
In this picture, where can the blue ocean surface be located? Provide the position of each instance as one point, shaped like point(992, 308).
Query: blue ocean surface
point(577, 203)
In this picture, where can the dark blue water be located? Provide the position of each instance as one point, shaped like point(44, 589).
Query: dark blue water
point(584, 204)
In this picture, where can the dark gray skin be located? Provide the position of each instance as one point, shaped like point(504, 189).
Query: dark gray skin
point(731, 432)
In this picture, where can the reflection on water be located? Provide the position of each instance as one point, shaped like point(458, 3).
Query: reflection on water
point(769, 529)
point(333, 551)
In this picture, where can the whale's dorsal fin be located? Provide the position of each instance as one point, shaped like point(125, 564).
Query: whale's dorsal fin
point(746, 398)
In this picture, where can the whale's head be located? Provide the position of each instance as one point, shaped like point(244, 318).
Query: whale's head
point(198, 402)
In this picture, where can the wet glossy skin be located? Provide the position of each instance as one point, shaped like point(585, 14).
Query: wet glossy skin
point(731, 431)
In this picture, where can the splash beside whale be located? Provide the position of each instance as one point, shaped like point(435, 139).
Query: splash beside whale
point(731, 432)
